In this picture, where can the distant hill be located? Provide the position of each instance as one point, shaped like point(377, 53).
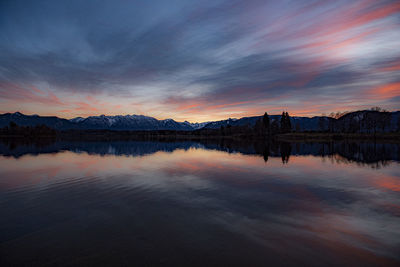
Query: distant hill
point(305, 123)
point(33, 120)
point(360, 120)
point(363, 121)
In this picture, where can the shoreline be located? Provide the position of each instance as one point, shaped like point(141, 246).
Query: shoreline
point(98, 135)
point(329, 137)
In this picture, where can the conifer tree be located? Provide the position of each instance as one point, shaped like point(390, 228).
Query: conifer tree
point(266, 122)
point(288, 122)
point(286, 125)
point(283, 122)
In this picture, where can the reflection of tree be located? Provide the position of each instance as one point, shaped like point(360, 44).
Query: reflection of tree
point(339, 159)
point(286, 149)
point(375, 155)
point(266, 154)
point(14, 143)
point(261, 148)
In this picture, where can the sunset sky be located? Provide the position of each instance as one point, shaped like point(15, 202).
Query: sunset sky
point(198, 60)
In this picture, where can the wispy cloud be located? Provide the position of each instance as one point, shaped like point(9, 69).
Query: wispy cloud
point(198, 60)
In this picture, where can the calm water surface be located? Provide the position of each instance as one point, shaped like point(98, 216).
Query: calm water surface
point(126, 203)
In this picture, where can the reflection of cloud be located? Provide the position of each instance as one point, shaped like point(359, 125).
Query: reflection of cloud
point(391, 183)
point(305, 208)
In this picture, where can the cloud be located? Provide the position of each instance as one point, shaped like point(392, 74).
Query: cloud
point(213, 56)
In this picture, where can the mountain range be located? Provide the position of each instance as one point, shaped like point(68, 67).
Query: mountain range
point(102, 122)
point(140, 122)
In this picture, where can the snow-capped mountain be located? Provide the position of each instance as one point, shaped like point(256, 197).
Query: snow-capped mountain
point(129, 122)
point(102, 122)
point(196, 125)
point(77, 119)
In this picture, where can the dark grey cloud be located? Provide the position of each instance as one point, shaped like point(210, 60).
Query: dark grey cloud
point(82, 46)
point(224, 51)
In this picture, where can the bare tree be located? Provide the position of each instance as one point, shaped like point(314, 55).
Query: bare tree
point(384, 120)
point(379, 109)
point(321, 123)
point(398, 124)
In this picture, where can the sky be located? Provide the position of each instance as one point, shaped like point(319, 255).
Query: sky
point(198, 60)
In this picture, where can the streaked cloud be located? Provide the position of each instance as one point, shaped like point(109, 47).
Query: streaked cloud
point(198, 61)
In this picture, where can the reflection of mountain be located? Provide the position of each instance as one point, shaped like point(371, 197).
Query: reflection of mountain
point(119, 148)
point(357, 152)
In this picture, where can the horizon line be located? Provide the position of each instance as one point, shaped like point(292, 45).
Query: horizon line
point(322, 115)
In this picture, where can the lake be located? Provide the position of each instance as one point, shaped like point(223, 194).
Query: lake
point(199, 203)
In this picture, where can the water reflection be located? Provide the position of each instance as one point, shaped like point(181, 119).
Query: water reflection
point(189, 203)
point(375, 154)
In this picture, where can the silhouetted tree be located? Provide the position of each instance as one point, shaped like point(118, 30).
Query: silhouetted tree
point(384, 120)
point(375, 120)
point(370, 122)
point(275, 127)
point(289, 123)
point(228, 129)
point(321, 123)
point(27, 131)
point(286, 125)
point(266, 122)
point(378, 109)
point(259, 127)
point(222, 130)
point(398, 124)
point(298, 127)
point(331, 122)
point(283, 121)
point(353, 125)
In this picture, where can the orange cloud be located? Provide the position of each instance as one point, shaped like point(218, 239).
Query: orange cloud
point(353, 17)
point(392, 67)
point(32, 94)
point(386, 91)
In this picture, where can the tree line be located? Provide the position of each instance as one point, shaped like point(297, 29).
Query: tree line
point(373, 121)
point(27, 131)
